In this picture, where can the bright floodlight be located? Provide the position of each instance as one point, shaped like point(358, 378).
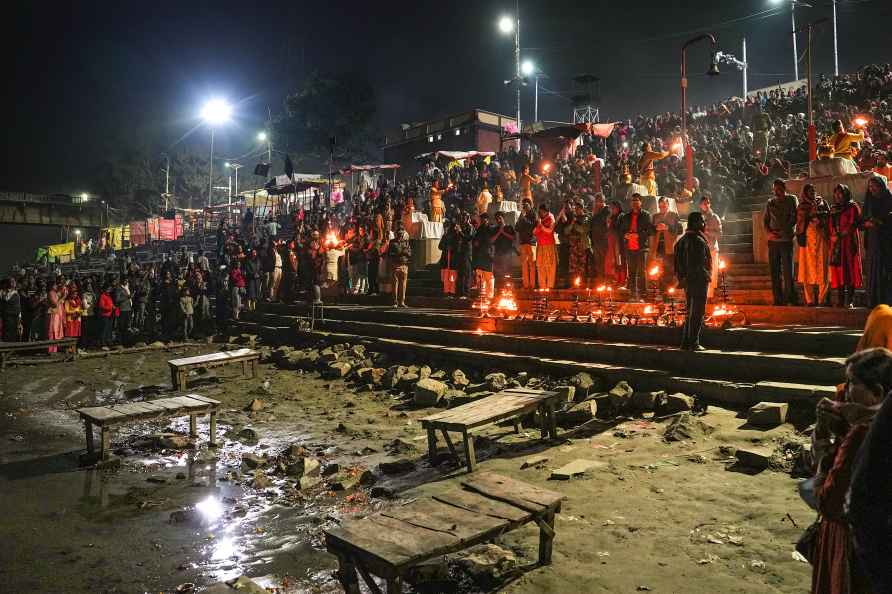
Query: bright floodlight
point(261, 136)
point(527, 68)
point(85, 196)
point(226, 164)
point(506, 24)
point(216, 111)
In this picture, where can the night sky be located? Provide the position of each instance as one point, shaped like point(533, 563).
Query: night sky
point(91, 77)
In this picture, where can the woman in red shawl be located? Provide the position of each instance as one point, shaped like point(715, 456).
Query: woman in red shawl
point(73, 312)
point(869, 378)
point(845, 245)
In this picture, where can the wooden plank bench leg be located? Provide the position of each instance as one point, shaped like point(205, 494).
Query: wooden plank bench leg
point(394, 586)
point(546, 537)
point(368, 579)
point(88, 431)
point(347, 575)
point(254, 368)
point(174, 378)
point(105, 443)
point(449, 443)
point(245, 368)
point(516, 423)
point(543, 422)
point(552, 423)
point(431, 444)
point(212, 429)
point(193, 426)
point(469, 450)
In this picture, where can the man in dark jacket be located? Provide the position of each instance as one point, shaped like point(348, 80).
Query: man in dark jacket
point(779, 221)
point(600, 213)
point(693, 268)
point(636, 227)
point(465, 235)
point(483, 254)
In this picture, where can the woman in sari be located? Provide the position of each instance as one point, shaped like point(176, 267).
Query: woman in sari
point(845, 245)
point(878, 241)
point(614, 266)
point(813, 236)
point(74, 309)
point(55, 314)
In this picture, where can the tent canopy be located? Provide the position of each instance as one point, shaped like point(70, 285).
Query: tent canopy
point(299, 182)
point(355, 168)
point(456, 155)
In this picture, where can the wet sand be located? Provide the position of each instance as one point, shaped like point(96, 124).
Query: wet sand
point(668, 517)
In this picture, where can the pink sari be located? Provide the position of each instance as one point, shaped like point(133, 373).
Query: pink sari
point(55, 318)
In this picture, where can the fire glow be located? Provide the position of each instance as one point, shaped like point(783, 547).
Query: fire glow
point(331, 239)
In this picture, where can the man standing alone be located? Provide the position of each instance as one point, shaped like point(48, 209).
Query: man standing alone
point(693, 268)
point(779, 221)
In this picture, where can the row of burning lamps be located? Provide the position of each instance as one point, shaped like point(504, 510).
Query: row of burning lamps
point(665, 312)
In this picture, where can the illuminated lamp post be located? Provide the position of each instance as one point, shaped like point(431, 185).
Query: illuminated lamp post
point(713, 71)
point(215, 112)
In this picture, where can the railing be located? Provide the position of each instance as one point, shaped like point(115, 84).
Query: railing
point(57, 199)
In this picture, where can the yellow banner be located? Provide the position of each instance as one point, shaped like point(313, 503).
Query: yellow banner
point(60, 249)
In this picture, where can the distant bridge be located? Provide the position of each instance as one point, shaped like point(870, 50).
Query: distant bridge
point(59, 210)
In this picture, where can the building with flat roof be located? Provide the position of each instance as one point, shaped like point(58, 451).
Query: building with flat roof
point(476, 130)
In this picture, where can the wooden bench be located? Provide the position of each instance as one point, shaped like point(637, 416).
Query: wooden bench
point(105, 417)
point(507, 404)
point(390, 542)
point(8, 348)
point(179, 368)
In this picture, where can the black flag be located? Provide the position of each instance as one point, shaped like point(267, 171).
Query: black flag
point(289, 167)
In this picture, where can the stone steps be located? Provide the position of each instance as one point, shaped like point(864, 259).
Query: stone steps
point(823, 340)
point(728, 393)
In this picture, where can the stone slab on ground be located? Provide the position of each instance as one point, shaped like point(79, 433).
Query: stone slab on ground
point(534, 461)
point(428, 392)
point(575, 468)
point(752, 459)
point(767, 414)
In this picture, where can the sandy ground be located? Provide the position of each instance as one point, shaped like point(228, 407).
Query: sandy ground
point(653, 516)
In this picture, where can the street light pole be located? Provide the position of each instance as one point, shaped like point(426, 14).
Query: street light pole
point(536, 101)
point(835, 44)
point(812, 132)
point(689, 153)
point(795, 50)
point(211, 170)
point(517, 63)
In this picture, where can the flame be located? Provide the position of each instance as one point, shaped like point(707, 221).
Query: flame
point(577, 281)
point(648, 310)
point(507, 303)
point(723, 310)
point(722, 264)
point(546, 167)
point(672, 290)
point(601, 289)
point(654, 271)
point(861, 121)
point(331, 238)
